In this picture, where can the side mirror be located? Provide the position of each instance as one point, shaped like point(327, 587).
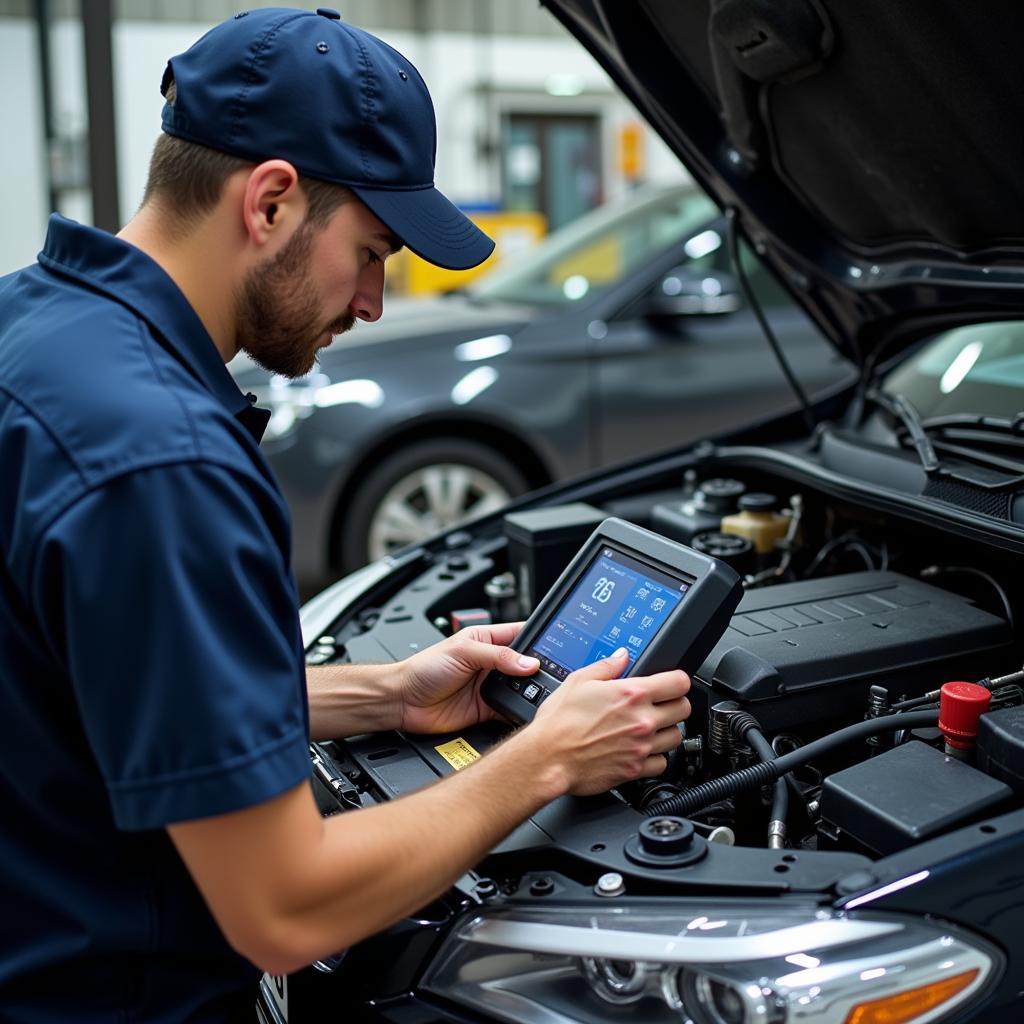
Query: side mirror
point(681, 292)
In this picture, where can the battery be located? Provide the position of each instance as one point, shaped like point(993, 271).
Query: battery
point(542, 542)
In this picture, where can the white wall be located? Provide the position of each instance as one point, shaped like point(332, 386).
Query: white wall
point(453, 64)
point(22, 155)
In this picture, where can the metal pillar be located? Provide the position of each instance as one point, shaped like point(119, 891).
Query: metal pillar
point(42, 14)
point(97, 19)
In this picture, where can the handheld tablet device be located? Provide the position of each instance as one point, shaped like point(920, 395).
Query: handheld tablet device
point(667, 604)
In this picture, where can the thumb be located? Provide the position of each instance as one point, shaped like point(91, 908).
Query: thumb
point(504, 659)
point(607, 668)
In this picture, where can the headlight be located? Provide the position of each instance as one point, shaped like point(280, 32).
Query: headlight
point(709, 964)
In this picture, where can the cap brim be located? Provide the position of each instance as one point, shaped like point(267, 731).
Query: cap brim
point(430, 225)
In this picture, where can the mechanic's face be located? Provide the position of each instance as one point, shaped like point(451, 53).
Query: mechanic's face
point(325, 278)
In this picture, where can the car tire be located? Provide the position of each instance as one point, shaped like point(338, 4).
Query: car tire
point(420, 490)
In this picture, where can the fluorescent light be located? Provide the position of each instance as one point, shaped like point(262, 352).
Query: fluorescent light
point(886, 890)
point(483, 348)
point(563, 85)
point(358, 392)
point(575, 287)
point(961, 366)
point(702, 244)
point(474, 383)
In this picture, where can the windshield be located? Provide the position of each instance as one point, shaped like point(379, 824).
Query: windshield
point(977, 369)
point(598, 250)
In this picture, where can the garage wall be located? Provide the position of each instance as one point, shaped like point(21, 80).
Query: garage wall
point(475, 79)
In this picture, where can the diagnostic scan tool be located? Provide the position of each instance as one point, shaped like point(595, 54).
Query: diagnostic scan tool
point(665, 603)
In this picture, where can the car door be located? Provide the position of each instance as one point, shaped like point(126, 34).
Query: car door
point(661, 380)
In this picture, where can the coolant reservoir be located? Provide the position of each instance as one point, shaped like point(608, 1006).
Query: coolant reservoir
point(759, 521)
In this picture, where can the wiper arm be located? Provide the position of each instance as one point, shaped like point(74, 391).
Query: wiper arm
point(900, 407)
point(978, 422)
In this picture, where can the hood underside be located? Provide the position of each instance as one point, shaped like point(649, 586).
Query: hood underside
point(873, 151)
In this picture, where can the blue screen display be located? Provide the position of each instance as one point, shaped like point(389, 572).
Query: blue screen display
point(619, 602)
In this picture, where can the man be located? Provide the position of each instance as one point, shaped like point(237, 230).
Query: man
point(160, 842)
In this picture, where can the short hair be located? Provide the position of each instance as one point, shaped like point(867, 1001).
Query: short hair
point(189, 179)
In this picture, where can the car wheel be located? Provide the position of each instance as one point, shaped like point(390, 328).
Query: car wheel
point(422, 489)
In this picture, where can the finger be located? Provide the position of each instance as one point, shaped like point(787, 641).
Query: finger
point(671, 712)
point(655, 765)
point(663, 686)
point(607, 668)
point(478, 654)
point(501, 633)
point(665, 740)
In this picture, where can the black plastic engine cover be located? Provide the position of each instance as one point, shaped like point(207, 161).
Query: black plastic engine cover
point(808, 651)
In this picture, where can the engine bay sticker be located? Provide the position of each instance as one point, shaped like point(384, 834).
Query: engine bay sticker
point(458, 753)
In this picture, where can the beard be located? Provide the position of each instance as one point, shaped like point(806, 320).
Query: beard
point(279, 323)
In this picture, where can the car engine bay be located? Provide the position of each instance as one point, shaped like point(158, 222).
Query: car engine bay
point(848, 616)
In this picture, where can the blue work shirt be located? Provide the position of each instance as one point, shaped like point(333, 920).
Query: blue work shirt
point(150, 655)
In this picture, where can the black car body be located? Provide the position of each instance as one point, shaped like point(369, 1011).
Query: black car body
point(869, 152)
point(620, 335)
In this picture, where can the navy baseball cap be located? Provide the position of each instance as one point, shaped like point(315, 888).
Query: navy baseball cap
point(337, 103)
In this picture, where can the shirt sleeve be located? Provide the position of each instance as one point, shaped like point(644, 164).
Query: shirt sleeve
point(168, 597)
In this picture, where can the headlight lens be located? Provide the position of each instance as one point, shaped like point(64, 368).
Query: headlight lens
point(709, 964)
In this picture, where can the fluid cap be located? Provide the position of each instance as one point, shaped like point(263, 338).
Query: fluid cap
point(665, 836)
point(961, 705)
point(757, 501)
point(718, 494)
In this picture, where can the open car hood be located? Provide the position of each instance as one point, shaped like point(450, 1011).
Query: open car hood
point(873, 151)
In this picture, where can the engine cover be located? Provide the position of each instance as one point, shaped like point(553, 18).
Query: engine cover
point(809, 651)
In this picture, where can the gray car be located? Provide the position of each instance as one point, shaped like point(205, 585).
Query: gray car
point(621, 334)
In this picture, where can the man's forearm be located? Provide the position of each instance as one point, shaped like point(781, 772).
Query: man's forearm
point(345, 700)
point(373, 866)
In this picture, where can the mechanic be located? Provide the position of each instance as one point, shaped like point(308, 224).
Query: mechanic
point(161, 843)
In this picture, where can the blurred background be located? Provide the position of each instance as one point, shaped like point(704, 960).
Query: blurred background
point(531, 133)
point(607, 324)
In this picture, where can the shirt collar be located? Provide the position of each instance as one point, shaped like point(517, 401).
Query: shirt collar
point(116, 268)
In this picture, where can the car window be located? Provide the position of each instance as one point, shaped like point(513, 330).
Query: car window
point(599, 249)
point(978, 369)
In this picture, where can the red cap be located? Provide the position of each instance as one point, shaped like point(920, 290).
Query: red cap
point(960, 707)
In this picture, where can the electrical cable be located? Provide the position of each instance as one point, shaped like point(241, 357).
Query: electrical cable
point(857, 547)
point(935, 570)
point(732, 234)
point(991, 684)
point(746, 728)
point(768, 771)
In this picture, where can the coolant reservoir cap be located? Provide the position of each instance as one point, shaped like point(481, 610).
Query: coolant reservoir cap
point(961, 706)
point(758, 502)
point(718, 494)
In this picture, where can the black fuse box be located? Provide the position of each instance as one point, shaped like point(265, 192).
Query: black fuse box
point(1001, 746)
point(901, 797)
point(542, 542)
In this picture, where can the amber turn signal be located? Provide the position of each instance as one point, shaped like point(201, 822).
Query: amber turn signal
point(907, 1006)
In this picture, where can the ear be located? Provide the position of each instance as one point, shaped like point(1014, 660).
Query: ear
point(274, 204)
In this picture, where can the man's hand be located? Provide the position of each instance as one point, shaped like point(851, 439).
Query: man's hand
point(601, 730)
point(439, 688)
point(317, 885)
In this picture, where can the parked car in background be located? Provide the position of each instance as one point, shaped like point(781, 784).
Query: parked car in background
point(620, 334)
point(839, 839)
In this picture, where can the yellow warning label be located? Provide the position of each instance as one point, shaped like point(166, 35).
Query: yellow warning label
point(458, 753)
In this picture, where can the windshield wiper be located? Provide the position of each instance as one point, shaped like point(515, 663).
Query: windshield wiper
point(899, 406)
point(970, 421)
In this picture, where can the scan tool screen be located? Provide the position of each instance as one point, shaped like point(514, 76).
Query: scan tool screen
point(619, 602)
